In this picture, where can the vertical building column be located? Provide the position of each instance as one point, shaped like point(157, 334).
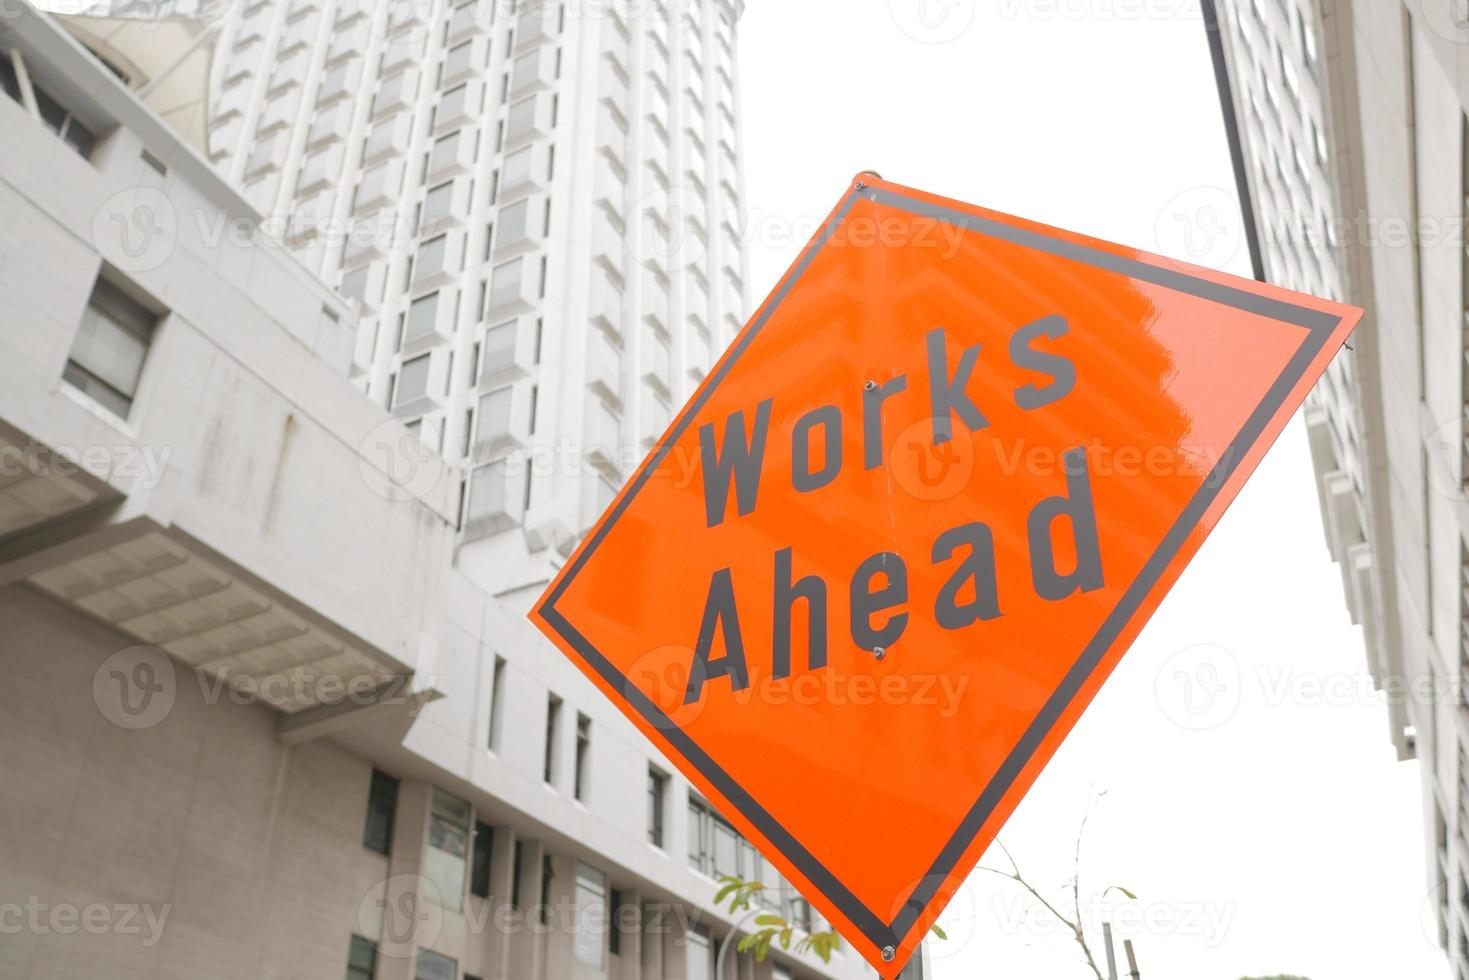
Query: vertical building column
point(525, 942)
point(405, 907)
point(627, 965)
point(558, 935)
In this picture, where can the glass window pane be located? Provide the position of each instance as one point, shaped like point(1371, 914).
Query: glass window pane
point(422, 315)
point(413, 380)
point(511, 226)
point(591, 916)
point(446, 861)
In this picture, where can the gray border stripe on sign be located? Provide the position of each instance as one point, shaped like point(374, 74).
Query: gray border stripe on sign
point(1319, 326)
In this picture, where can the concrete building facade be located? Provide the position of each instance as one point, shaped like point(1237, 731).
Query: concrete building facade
point(1353, 117)
point(263, 715)
point(537, 208)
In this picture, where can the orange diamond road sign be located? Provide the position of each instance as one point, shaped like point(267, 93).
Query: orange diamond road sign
point(888, 552)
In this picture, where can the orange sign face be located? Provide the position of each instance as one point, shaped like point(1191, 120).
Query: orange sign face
point(890, 549)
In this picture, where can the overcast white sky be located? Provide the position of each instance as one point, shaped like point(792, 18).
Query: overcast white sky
point(1269, 830)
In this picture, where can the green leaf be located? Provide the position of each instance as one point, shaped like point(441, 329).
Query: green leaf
point(937, 930)
point(770, 920)
point(1125, 892)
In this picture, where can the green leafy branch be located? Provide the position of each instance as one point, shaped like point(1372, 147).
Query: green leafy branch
point(773, 929)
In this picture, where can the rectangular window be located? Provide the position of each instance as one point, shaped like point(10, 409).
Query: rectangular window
point(511, 224)
point(479, 878)
point(64, 124)
point(445, 150)
point(431, 256)
point(448, 849)
point(497, 703)
point(111, 344)
point(361, 959)
point(614, 922)
point(547, 873)
point(553, 720)
point(505, 282)
point(382, 804)
point(583, 756)
point(423, 314)
point(699, 962)
point(591, 916)
point(515, 874)
point(436, 204)
point(657, 795)
point(432, 966)
point(413, 380)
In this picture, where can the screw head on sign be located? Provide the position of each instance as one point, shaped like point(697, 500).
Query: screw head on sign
point(888, 953)
point(879, 652)
point(869, 384)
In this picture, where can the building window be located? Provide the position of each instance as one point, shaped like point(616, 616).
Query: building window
point(448, 849)
point(553, 719)
point(412, 380)
point(497, 703)
point(431, 256)
point(699, 962)
point(423, 313)
point(361, 959)
point(515, 875)
point(583, 756)
point(505, 282)
point(548, 872)
point(511, 224)
point(64, 124)
point(111, 344)
point(657, 796)
point(432, 966)
point(591, 916)
point(614, 923)
point(436, 203)
point(382, 804)
point(479, 878)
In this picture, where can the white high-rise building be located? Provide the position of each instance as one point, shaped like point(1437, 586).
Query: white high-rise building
point(537, 207)
point(1354, 125)
point(271, 708)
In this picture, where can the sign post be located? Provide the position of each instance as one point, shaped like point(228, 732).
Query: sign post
point(890, 549)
